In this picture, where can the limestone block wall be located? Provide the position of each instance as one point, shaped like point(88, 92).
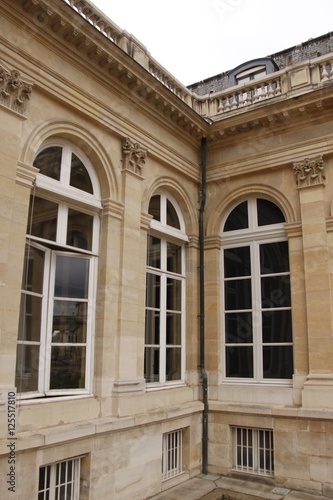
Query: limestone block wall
point(121, 458)
point(302, 446)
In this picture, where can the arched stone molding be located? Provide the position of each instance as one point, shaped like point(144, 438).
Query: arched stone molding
point(189, 210)
point(217, 215)
point(85, 141)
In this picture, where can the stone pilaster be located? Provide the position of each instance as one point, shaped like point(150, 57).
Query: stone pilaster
point(318, 388)
point(130, 340)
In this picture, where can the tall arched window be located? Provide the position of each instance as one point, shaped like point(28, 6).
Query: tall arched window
point(257, 321)
point(55, 338)
point(165, 294)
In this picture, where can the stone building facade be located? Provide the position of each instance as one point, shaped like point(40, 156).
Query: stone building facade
point(166, 264)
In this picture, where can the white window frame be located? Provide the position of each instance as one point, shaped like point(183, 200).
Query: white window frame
point(244, 453)
point(66, 197)
point(252, 237)
point(167, 234)
point(172, 454)
point(50, 492)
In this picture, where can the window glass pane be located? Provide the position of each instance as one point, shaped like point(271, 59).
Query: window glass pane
point(172, 217)
point(44, 219)
point(238, 294)
point(69, 322)
point(239, 362)
point(153, 290)
point(276, 326)
point(268, 213)
point(238, 218)
point(275, 292)
point(238, 328)
point(244, 79)
point(152, 335)
point(30, 318)
point(173, 364)
point(79, 229)
point(154, 252)
point(63, 470)
point(71, 278)
point(27, 361)
point(79, 177)
point(174, 258)
point(154, 207)
point(173, 333)
point(237, 262)
point(33, 270)
point(278, 362)
point(274, 258)
point(152, 364)
point(69, 490)
point(174, 288)
point(49, 162)
point(67, 367)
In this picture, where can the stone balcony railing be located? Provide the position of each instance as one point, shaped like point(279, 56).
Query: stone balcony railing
point(289, 82)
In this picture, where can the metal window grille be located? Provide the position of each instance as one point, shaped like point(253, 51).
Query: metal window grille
point(254, 451)
point(172, 454)
point(60, 481)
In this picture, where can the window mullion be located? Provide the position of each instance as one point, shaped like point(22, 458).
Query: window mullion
point(163, 209)
point(66, 165)
point(256, 311)
point(90, 338)
point(163, 312)
point(47, 337)
point(62, 223)
point(43, 354)
point(183, 340)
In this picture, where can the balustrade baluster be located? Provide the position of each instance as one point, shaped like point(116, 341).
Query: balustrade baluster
point(227, 104)
point(270, 90)
point(278, 87)
point(324, 75)
point(220, 106)
point(234, 101)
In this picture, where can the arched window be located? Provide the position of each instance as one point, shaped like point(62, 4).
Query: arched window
point(257, 321)
point(54, 351)
point(165, 294)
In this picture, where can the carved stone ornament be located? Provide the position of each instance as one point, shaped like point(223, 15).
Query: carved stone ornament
point(14, 92)
point(309, 172)
point(134, 156)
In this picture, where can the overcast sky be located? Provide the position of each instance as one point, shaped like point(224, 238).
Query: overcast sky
point(196, 39)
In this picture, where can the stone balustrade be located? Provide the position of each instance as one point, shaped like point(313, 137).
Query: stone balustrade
point(293, 80)
point(289, 82)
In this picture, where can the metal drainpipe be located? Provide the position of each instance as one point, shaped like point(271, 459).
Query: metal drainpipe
point(202, 309)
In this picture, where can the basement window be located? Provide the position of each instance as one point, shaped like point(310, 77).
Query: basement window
point(60, 480)
point(253, 451)
point(172, 454)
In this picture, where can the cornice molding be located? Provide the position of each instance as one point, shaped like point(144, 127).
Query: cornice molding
point(118, 56)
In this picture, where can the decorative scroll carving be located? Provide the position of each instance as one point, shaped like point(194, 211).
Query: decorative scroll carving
point(309, 171)
point(134, 156)
point(14, 92)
